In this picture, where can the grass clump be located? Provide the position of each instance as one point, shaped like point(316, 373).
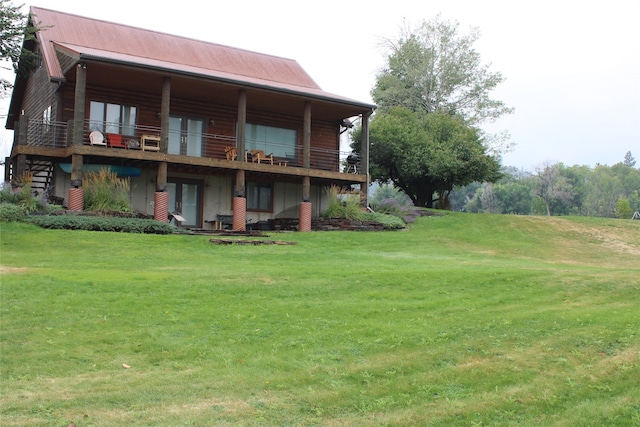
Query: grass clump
point(103, 190)
point(342, 205)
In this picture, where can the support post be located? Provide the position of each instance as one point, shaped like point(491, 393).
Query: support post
point(306, 137)
point(239, 203)
point(239, 194)
point(161, 197)
point(165, 109)
point(20, 167)
point(304, 220)
point(364, 156)
point(161, 206)
point(242, 122)
point(7, 169)
point(161, 178)
point(80, 98)
point(23, 130)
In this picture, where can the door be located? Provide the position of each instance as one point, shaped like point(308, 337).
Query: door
point(185, 197)
point(185, 136)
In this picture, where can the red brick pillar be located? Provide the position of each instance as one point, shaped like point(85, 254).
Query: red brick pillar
point(161, 206)
point(239, 214)
point(305, 216)
point(76, 199)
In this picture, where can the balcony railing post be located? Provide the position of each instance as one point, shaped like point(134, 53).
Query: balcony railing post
point(23, 130)
point(69, 136)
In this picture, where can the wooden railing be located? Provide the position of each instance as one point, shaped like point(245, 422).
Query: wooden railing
point(60, 135)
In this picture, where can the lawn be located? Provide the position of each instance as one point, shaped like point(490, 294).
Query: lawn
point(466, 320)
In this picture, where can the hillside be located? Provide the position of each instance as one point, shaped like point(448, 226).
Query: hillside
point(460, 320)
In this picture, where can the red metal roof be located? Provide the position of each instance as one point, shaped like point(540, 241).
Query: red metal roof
point(93, 38)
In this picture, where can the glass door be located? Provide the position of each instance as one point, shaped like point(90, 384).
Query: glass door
point(185, 136)
point(185, 199)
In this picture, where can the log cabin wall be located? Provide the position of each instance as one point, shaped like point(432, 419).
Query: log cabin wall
point(39, 94)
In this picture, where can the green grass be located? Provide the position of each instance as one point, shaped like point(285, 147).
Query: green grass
point(463, 320)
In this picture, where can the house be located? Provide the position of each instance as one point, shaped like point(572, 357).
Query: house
point(204, 130)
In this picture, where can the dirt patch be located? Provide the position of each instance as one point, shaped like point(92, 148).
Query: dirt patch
point(250, 242)
point(614, 238)
point(10, 270)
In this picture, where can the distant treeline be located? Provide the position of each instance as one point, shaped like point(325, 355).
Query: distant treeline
point(556, 189)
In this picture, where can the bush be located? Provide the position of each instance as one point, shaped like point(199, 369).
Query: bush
point(390, 222)
point(347, 206)
point(94, 223)
point(10, 212)
point(392, 206)
point(103, 190)
point(623, 209)
point(22, 197)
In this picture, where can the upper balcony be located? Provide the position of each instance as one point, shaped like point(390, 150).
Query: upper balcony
point(196, 148)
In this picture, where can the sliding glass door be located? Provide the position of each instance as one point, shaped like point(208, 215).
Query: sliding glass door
point(186, 136)
point(185, 197)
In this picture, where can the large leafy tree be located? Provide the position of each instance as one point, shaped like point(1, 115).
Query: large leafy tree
point(425, 155)
point(433, 69)
point(432, 95)
point(13, 32)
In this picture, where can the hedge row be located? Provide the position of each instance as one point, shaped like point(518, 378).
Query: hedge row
point(96, 223)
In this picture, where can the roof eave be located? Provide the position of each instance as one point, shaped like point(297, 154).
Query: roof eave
point(239, 82)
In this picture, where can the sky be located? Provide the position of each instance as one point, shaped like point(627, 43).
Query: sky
point(572, 68)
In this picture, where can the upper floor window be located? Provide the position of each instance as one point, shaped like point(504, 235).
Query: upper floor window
point(112, 118)
point(279, 141)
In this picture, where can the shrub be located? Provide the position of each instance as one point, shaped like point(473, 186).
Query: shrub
point(10, 212)
point(103, 190)
point(334, 210)
point(623, 209)
point(390, 222)
point(392, 206)
point(94, 223)
point(21, 196)
point(342, 206)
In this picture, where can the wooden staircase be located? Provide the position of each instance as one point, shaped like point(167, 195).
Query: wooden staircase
point(42, 175)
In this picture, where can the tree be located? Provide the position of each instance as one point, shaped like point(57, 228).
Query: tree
point(552, 187)
point(629, 160)
point(434, 69)
point(14, 29)
point(605, 188)
point(426, 155)
point(432, 95)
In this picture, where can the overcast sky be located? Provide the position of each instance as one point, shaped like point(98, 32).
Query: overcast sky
point(572, 68)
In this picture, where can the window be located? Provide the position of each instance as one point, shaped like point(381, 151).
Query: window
point(259, 196)
point(279, 141)
point(112, 118)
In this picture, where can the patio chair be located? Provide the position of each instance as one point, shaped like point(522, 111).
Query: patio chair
point(258, 156)
point(231, 153)
point(115, 140)
point(96, 138)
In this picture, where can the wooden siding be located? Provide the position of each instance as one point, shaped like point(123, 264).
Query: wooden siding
point(40, 93)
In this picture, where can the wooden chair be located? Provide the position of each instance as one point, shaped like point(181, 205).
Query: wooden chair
point(231, 152)
point(115, 140)
point(258, 156)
